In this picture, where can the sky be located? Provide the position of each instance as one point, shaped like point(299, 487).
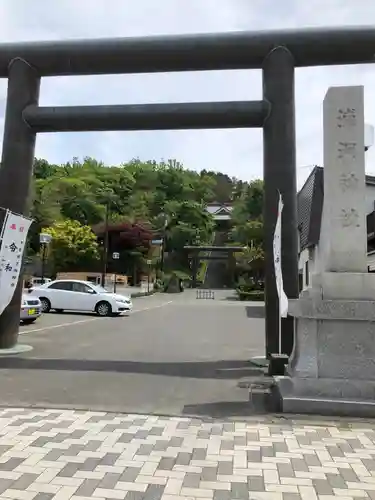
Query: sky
point(238, 153)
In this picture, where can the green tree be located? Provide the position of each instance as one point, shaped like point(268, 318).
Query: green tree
point(188, 220)
point(250, 204)
point(137, 192)
point(73, 246)
point(248, 231)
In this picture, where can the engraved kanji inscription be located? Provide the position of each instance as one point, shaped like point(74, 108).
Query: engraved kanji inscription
point(346, 150)
point(348, 181)
point(349, 217)
point(346, 117)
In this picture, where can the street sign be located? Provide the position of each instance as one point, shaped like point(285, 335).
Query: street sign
point(115, 255)
point(45, 238)
point(149, 262)
point(156, 242)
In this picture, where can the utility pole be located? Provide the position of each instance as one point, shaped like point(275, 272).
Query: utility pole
point(105, 245)
point(165, 224)
point(115, 256)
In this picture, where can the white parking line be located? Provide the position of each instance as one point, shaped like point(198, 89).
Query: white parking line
point(61, 325)
point(72, 323)
point(152, 307)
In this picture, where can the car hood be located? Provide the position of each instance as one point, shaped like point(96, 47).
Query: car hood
point(117, 296)
point(27, 297)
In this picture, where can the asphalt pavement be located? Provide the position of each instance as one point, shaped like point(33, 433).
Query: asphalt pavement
point(174, 355)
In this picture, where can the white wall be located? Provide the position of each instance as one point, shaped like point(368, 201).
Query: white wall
point(308, 255)
point(369, 198)
point(371, 261)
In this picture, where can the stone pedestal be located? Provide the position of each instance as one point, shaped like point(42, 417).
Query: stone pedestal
point(332, 367)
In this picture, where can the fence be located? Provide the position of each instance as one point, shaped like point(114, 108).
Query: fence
point(205, 294)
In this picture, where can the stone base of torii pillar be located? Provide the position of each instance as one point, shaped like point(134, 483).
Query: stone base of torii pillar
point(332, 368)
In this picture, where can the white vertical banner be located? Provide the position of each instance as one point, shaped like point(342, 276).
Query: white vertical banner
point(14, 235)
point(1, 239)
point(283, 299)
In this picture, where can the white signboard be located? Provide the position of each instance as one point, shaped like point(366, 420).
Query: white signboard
point(13, 244)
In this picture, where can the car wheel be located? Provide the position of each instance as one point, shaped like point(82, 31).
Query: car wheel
point(46, 304)
point(60, 311)
point(28, 321)
point(103, 309)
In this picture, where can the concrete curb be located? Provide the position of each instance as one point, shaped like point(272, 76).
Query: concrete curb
point(136, 295)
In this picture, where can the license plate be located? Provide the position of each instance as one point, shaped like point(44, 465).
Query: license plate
point(31, 312)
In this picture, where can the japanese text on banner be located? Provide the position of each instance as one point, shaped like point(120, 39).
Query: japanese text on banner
point(13, 244)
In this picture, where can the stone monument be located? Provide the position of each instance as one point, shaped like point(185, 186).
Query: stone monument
point(332, 367)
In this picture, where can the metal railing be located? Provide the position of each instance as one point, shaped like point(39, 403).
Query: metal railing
point(205, 294)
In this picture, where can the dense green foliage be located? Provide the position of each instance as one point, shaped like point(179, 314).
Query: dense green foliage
point(145, 201)
point(73, 245)
point(248, 231)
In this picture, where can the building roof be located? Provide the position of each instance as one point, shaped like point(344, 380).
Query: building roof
point(220, 211)
point(310, 206)
point(219, 208)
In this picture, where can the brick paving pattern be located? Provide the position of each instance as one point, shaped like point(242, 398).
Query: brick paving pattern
point(77, 455)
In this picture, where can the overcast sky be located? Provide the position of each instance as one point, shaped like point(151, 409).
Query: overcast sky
point(236, 152)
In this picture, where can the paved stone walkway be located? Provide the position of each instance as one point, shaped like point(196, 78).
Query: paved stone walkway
point(73, 455)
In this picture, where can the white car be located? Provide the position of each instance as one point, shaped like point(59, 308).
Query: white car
point(31, 309)
point(76, 295)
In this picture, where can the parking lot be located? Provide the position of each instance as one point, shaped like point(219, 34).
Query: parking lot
point(173, 355)
point(56, 320)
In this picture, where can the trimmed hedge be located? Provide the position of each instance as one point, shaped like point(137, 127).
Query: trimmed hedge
point(253, 295)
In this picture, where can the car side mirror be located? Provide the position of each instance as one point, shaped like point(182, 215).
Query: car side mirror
point(91, 291)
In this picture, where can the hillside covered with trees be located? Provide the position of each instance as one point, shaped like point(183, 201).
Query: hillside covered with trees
point(142, 201)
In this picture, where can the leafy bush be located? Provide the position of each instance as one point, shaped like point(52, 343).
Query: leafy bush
point(158, 284)
point(246, 285)
point(173, 279)
point(253, 295)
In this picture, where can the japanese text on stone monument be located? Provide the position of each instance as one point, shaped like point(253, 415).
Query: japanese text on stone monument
point(346, 117)
point(349, 217)
point(348, 181)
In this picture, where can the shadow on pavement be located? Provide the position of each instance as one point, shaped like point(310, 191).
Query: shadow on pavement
point(222, 409)
point(205, 369)
point(255, 311)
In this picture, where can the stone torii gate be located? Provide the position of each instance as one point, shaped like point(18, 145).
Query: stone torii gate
point(277, 53)
point(194, 252)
